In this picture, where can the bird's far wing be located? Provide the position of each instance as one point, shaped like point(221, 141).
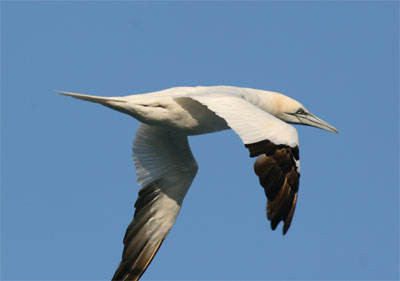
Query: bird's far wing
point(276, 144)
point(278, 170)
point(165, 167)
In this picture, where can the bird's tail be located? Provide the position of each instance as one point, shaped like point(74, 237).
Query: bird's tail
point(102, 100)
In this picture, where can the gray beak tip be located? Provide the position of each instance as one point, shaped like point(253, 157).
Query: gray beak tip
point(312, 120)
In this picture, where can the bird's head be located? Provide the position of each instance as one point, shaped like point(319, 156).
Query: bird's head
point(291, 111)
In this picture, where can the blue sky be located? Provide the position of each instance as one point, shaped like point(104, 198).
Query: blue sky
point(67, 179)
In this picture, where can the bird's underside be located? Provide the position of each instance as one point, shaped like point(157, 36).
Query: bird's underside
point(165, 166)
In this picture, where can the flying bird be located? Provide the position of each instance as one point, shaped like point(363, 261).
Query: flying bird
point(165, 166)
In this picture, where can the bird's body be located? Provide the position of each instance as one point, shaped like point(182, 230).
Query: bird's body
point(177, 112)
point(165, 166)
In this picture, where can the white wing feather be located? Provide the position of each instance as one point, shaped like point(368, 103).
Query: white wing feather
point(165, 167)
point(250, 122)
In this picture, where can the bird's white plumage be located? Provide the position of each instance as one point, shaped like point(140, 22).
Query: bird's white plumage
point(165, 166)
point(164, 159)
point(245, 110)
point(250, 122)
point(158, 153)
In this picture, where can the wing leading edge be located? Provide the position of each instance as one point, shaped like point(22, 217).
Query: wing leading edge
point(276, 145)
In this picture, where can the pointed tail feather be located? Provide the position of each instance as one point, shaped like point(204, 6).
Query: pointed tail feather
point(102, 100)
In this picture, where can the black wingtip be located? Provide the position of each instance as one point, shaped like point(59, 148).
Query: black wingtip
point(285, 229)
point(274, 224)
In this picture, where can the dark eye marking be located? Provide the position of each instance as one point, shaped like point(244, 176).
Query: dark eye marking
point(300, 111)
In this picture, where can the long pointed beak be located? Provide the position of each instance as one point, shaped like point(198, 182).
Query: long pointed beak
point(312, 120)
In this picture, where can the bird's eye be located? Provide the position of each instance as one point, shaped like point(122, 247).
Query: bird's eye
point(300, 111)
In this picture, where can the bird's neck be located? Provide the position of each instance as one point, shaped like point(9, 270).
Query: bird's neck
point(265, 100)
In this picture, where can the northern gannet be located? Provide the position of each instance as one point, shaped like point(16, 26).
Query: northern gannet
point(165, 166)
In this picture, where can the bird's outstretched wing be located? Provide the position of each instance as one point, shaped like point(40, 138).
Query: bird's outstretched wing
point(165, 168)
point(276, 144)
